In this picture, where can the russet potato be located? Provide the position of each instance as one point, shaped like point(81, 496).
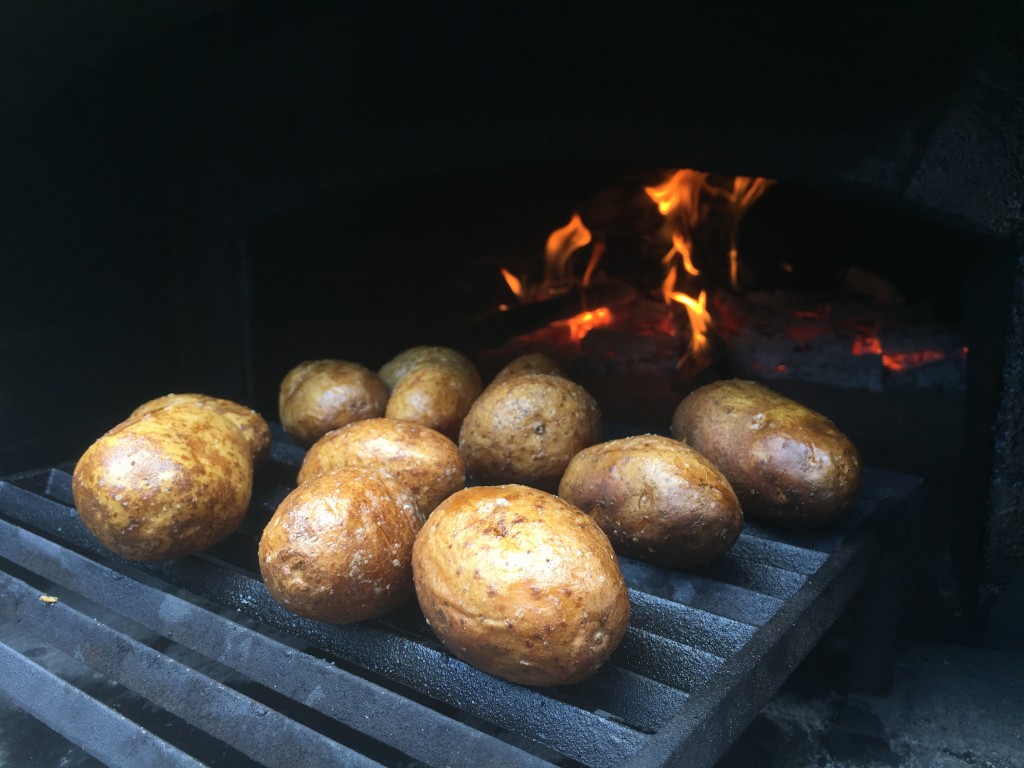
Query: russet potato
point(338, 548)
point(165, 483)
point(425, 460)
point(409, 360)
point(525, 429)
point(436, 395)
point(656, 499)
point(788, 464)
point(520, 584)
point(317, 396)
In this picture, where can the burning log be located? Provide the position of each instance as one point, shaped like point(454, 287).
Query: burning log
point(844, 343)
point(495, 329)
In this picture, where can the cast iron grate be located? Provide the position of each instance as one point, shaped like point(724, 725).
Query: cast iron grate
point(239, 680)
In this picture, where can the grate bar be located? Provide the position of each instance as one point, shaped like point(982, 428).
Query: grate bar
point(628, 697)
point(701, 591)
point(777, 554)
point(686, 624)
point(665, 660)
point(105, 734)
point(269, 738)
point(414, 729)
point(757, 577)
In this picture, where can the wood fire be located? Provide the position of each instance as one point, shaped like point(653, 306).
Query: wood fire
point(685, 322)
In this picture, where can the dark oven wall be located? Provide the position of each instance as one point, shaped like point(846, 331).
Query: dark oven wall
point(226, 195)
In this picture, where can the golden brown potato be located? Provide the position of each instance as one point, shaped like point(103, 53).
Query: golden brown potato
point(526, 429)
point(435, 395)
point(656, 498)
point(338, 547)
point(165, 484)
point(320, 395)
point(253, 426)
point(788, 464)
point(410, 359)
point(520, 584)
point(530, 362)
point(425, 460)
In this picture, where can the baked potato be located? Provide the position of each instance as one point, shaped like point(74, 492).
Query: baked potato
point(656, 499)
point(525, 429)
point(436, 395)
point(317, 396)
point(165, 483)
point(788, 464)
point(338, 548)
point(410, 359)
point(425, 460)
point(520, 584)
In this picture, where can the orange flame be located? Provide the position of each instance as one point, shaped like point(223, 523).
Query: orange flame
point(678, 200)
point(679, 195)
point(514, 283)
point(700, 319)
point(563, 243)
point(595, 257)
point(743, 193)
point(681, 246)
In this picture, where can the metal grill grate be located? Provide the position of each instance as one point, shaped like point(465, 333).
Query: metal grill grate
point(208, 648)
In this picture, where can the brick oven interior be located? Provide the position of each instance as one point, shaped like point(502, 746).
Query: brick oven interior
point(199, 199)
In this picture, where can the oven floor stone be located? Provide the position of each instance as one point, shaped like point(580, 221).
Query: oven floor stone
point(951, 705)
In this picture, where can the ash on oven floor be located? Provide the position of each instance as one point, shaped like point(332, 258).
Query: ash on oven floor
point(952, 705)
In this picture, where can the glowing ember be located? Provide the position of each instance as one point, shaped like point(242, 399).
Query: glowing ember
point(583, 323)
point(867, 345)
point(870, 344)
point(906, 360)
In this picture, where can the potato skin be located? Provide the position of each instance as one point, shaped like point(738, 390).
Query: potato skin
point(409, 360)
point(425, 460)
point(253, 425)
point(338, 547)
point(526, 429)
point(656, 499)
point(436, 395)
point(788, 464)
point(520, 584)
point(165, 484)
point(317, 396)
